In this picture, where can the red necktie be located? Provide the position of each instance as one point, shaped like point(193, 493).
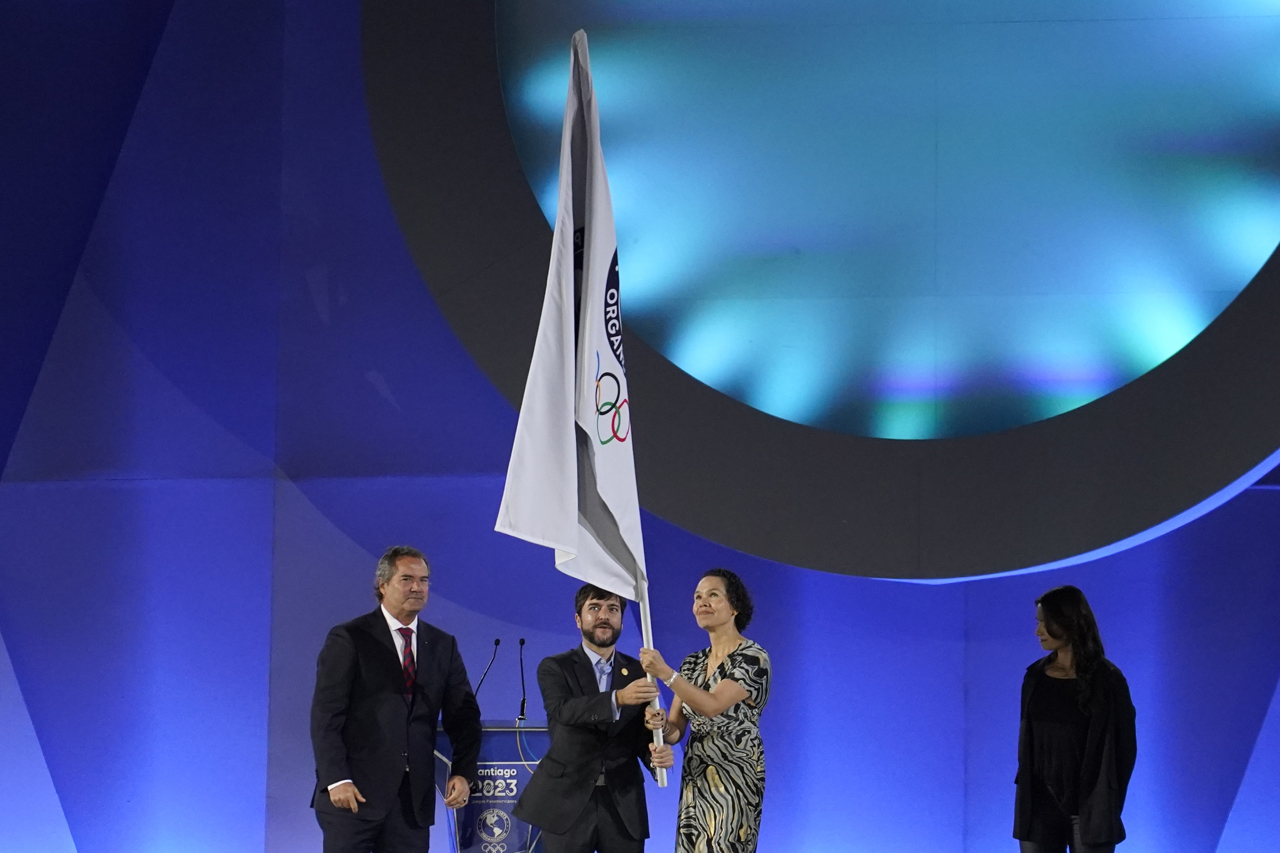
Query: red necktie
point(410, 668)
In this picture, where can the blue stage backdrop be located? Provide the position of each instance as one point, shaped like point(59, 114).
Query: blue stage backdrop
point(249, 394)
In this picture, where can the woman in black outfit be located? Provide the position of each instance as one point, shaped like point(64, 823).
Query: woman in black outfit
point(1076, 745)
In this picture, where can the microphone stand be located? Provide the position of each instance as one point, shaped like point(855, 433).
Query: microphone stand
point(523, 696)
point(485, 674)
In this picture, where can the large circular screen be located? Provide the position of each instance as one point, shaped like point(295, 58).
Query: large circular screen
point(916, 220)
point(1187, 212)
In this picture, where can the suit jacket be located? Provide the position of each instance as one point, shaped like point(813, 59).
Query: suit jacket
point(364, 728)
point(1111, 750)
point(586, 741)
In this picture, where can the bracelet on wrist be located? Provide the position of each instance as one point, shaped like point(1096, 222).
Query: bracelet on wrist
point(675, 673)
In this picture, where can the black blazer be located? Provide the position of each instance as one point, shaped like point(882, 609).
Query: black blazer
point(365, 729)
point(1111, 750)
point(585, 741)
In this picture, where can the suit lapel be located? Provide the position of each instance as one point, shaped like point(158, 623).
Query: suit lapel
point(584, 672)
point(427, 664)
point(620, 679)
point(376, 624)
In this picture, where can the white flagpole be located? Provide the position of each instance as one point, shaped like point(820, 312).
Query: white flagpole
point(646, 639)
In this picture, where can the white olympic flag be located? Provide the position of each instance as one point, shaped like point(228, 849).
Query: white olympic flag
point(571, 482)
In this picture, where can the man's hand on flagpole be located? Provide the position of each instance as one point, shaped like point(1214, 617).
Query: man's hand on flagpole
point(642, 691)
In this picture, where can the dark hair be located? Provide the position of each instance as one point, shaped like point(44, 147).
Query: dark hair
point(591, 592)
point(1067, 616)
point(387, 566)
point(736, 591)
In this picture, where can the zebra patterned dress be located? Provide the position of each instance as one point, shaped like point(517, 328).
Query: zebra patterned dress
point(722, 783)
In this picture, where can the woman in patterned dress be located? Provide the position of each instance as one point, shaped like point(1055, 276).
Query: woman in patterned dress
point(719, 694)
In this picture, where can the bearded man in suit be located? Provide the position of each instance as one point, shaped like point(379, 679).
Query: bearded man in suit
point(383, 681)
point(587, 793)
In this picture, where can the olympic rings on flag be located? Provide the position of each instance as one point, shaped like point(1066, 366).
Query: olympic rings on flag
point(489, 847)
point(616, 410)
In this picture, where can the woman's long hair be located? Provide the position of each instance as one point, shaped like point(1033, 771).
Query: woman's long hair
point(1068, 616)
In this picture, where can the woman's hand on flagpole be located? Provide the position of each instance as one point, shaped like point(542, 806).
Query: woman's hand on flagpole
point(652, 662)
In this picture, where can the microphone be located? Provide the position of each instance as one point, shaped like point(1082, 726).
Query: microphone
point(485, 674)
point(523, 696)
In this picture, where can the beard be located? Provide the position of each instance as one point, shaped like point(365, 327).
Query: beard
point(592, 637)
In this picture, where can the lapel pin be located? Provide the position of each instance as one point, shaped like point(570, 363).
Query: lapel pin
point(624, 670)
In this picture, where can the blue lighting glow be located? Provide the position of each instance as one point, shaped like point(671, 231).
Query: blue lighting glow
point(917, 220)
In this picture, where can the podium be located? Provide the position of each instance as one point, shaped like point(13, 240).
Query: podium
point(509, 752)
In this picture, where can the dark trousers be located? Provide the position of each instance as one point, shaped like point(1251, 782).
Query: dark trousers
point(600, 829)
point(398, 832)
point(1061, 846)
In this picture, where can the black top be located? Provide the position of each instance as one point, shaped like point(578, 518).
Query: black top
point(1106, 763)
point(1059, 731)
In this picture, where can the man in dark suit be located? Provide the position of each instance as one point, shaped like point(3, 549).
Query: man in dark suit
point(588, 790)
point(382, 682)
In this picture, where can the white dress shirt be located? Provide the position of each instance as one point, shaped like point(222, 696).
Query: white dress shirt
point(394, 625)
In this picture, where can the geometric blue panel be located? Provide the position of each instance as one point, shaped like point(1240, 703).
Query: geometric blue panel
point(184, 254)
point(31, 817)
point(452, 520)
point(371, 379)
point(1254, 824)
point(145, 675)
point(71, 81)
point(102, 408)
